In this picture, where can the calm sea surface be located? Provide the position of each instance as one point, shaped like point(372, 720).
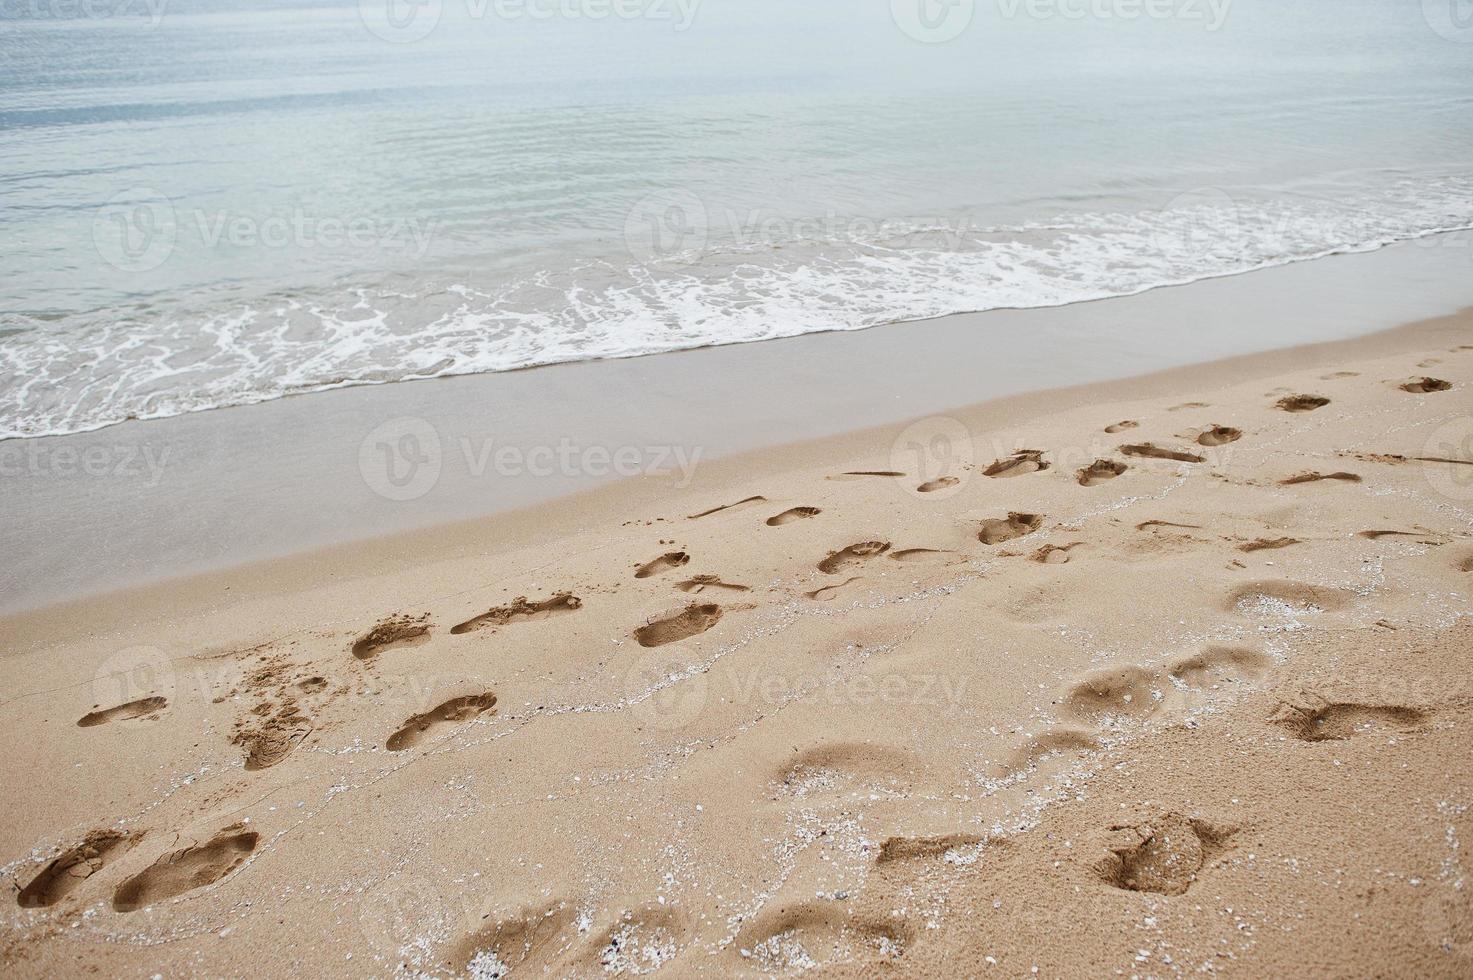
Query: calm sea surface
point(213, 203)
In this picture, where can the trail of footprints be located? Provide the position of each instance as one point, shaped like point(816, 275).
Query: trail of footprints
point(1162, 852)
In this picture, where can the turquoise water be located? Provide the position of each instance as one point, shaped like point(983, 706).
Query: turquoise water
point(217, 203)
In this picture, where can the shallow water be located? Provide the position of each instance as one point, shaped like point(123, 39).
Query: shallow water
point(217, 203)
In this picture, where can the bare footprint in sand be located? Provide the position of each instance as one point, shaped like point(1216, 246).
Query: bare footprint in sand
point(1163, 854)
point(1020, 463)
point(1267, 544)
point(828, 593)
point(145, 708)
point(521, 610)
point(1112, 695)
point(999, 529)
point(793, 514)
point(395, 631)
point(1312, 718)
point(940, 483)
point(1220, 665)
point(1099, 471)
point(1279, 599)
point(1301, 403)
point(186, 869)
point(662, 564)
point(922, 556)
point(452, 712)
point(863, 474)
point(1054, 554)
point(1152, 451)
point(690, 621)
point(1425, 386)
point(1122, 426)
point(1315, 476)
point(745, 501)
point(853, 555)
point(74, 866)
point(700, 583)
point(1219, 435)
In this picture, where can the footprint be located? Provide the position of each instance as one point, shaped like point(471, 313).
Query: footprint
point(1466, 565)
point(1045, 747)
point(1147, 525)
point(861, 474)
point(640, 942)
point(74, 866)
point(1021, 462)
point(940, 483)
point(853, 555)
point(521, 610)
point(186, 869)
point(267, 742)
point(846, 767)
point(922, 555)
point(662, 564)
point(1112, 695)
point(1314, 476)
point(701, 583)
point(1279, 599)
point(1219, 435)
point(1312, 718)
point(312, 685)
point(1301, 403)
point(1336, 375)
point(1122, 426)
point(146, 708)
point(1152, 451)
point(1267, 544)
point(527, 940)
point(996, 530)
point(1425, 386)
point(395, 631)
point(790, 938)
point(830, 592)
point(1163, 855)
point(1054, 554)
point(690, 621)
point(451, 712)
point(716, 510)
point(1218, 665)
point(946, 848)
point(1099, 471)
point(1376, 535)
point(793, 514)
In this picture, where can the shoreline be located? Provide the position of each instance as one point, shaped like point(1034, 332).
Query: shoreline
point(212, 490)
point(1187, 683)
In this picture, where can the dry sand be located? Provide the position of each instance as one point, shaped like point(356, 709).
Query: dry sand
point(1144, 679)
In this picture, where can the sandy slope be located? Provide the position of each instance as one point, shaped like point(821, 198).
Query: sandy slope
point(1012, 708)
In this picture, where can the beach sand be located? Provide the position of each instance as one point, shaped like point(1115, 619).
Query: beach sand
point(1147, 678)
